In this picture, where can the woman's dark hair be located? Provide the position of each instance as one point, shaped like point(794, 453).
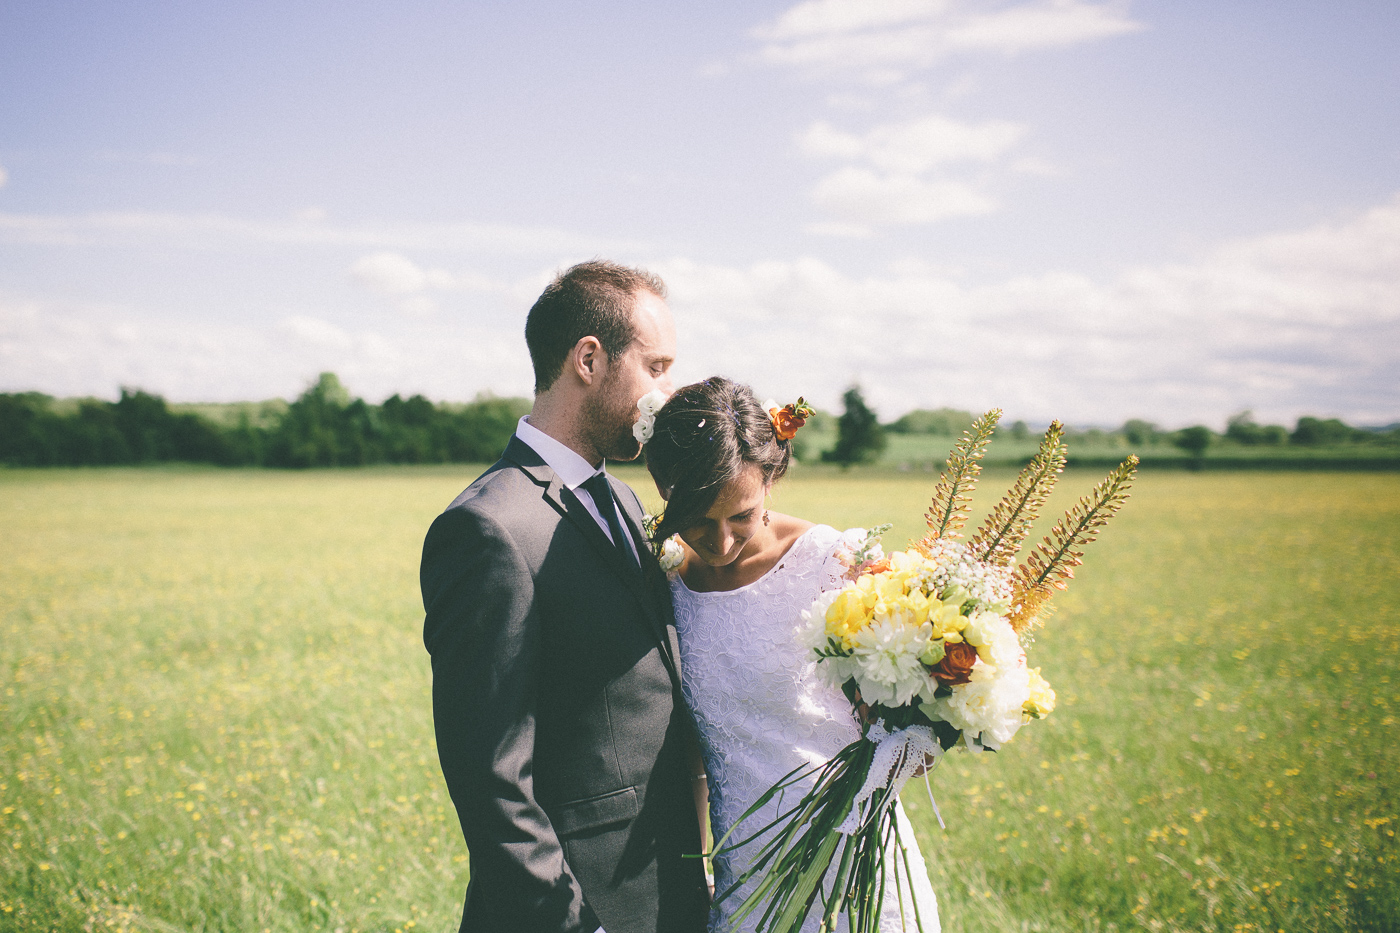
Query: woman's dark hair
point(705, 435)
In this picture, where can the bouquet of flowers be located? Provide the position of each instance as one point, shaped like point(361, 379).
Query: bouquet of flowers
point(928, 644)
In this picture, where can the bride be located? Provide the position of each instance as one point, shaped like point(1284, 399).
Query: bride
point(747, 574)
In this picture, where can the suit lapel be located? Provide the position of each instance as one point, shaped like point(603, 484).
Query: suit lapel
point(651, 570)
point(571, 507)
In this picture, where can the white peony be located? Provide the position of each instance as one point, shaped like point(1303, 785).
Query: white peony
point(990, 705)
point(888, 669)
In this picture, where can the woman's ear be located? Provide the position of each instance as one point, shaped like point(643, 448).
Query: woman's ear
point(663, 491)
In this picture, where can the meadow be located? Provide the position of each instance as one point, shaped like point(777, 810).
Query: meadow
point(215, 710)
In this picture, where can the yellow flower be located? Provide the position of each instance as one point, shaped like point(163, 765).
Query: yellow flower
point(1042, 698)
point(889, 586)
point(947, 619)
point(849, 613)
point(904, 561)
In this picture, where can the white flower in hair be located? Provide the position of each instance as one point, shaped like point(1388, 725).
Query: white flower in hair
point(648, 405)
point(671, 556)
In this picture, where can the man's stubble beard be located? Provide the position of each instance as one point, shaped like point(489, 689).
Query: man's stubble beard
point(608, 417)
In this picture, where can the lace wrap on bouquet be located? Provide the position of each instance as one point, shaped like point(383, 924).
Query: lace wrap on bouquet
point(762, 710)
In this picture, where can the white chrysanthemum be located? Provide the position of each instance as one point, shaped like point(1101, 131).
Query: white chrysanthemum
point(888, 669)
point(643, 429)
point(994, 639)
point(990, 705)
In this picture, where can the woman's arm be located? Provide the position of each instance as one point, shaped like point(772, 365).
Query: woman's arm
point(700, 790)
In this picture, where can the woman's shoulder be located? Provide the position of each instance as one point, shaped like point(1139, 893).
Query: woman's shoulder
point(835, 541)
point(837, 551)
point(828, 548)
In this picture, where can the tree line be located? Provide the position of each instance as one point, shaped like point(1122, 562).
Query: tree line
point(322, 427)
point(860, 437)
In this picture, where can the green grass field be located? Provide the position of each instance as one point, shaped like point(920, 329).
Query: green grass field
point(215, 710)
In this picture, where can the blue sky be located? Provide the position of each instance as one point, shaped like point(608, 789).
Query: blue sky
point(1065, 208)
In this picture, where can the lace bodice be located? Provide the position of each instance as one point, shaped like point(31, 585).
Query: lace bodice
point(759, 704)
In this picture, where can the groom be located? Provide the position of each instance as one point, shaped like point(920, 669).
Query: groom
point(556, 697)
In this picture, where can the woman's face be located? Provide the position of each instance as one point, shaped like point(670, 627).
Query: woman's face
point(735, 517)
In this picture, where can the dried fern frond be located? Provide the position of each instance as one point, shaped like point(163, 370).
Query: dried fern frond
point(952, 497)
point(1054, 559)
point(1001, 534)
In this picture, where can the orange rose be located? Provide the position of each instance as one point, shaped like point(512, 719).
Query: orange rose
point(956, 666)
point(789, 418)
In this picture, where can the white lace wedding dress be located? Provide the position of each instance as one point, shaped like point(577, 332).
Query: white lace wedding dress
point(762, 710)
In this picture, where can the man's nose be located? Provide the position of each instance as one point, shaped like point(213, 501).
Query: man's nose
point(666, 384)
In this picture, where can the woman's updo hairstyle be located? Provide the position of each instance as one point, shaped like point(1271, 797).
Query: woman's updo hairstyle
point(705, 435)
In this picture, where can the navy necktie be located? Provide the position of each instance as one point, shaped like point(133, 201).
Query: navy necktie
point(597, 487)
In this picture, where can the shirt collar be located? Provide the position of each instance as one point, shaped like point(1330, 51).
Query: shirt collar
point(571, 468)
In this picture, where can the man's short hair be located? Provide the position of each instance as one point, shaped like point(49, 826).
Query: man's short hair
point(591, 299)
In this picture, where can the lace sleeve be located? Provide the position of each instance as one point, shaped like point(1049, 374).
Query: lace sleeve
point(840, 565)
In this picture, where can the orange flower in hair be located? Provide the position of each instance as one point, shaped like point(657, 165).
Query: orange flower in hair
point(789, 418)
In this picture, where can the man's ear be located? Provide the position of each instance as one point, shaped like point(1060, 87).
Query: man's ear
point(588, 360)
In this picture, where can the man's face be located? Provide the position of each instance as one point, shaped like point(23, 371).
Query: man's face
point(611, 409)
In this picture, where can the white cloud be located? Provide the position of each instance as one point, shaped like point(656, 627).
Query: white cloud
point(1295, 322)
point(889, 177)
point(837, 17)
point(1286, 324)
point(883, 40)
point(864, 197)
point(69, 349)
point(897, 188)
point(835, 228)
point(396, 276)
point(1042, 25)
point(315, 331)
point(390, 274)
point(914, 146)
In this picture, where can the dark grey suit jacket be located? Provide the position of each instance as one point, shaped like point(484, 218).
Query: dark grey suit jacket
point(556, 702)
